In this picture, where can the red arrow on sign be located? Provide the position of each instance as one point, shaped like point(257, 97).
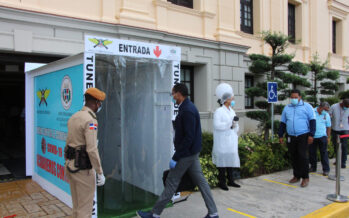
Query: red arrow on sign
point(157, 51)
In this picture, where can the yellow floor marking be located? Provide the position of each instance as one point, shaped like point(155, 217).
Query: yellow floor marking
point(338, 210)
point(241, 213)
point(280, 183)
point(318, 174)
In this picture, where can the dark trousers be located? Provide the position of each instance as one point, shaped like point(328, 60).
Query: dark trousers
point(344, 143)
point(322, 144)
point(299, 152)
point(191, 165)
point(222, 177)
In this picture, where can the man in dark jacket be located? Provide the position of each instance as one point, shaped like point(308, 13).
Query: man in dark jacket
point(187, 144)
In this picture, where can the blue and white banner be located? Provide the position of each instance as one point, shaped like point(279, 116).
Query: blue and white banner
point(58, 95)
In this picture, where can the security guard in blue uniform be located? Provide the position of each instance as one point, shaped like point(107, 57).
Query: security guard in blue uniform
point(298, 119)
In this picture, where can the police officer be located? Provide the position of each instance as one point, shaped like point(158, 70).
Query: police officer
point(298, 118)
point(81, 154)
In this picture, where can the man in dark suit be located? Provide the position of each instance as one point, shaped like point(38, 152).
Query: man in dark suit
point(188, 145)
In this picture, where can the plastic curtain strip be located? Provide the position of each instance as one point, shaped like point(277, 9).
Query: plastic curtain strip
point(135, 131)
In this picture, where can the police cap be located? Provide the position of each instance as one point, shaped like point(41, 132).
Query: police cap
point(96, 93)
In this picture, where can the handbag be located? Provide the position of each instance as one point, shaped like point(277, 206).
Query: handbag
point(186, 183)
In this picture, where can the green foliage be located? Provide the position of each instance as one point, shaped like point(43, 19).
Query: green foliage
point(256, 157)
point(209, 169)
point(255, 92)
point(330, 100)
point(329, 85)
point(262, 104)
point(278, 108)
point(294, 79)
point(282, 59)
point(276, 125)
point(298, 68)
point(323, 82)
point(255, 57)
point(347, 80)
point(207, 144)
point(261, 116)
point(343, 94)
point(259, 157)
point(277, 41)
point(278, 68)
point(259, 67)
point(332, 75)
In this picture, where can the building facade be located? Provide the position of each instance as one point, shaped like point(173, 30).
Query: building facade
point(215, 36)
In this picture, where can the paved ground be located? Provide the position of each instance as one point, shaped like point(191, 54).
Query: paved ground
point(25, 198)
point(266, 196)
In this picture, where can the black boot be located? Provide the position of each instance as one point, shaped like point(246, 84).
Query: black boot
point(231, 178)
point(221, 178)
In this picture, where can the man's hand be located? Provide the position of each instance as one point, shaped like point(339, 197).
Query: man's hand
point(310, 140)
point(281, 140)
point(328, 140)
point(100, 179)
point(172, 164)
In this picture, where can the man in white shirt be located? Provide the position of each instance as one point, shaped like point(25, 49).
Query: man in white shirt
point(340, 126)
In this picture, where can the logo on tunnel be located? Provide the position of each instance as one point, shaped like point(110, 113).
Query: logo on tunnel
point(100, 42)
point(42, 95)
point(66, 92)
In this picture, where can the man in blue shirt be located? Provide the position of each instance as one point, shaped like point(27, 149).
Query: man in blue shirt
point(298, 119)
point(321, 138)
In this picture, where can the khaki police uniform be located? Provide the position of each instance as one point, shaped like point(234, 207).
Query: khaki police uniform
point(82, 130)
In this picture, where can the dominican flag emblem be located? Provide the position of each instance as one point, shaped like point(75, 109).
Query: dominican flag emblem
point(93, 126)
point(66, 95)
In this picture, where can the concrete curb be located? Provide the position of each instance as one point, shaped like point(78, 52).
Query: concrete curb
point(337, 210)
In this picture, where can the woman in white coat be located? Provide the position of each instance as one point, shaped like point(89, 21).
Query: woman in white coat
point(225, 140)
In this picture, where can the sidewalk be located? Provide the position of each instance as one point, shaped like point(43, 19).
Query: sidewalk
point(25, 198)
point(271, 196)
point(264, 196)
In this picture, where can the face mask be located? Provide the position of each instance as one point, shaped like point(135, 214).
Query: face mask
point(294, 101)
point(232, 103)
point(173, 100)
point(99, 109)
point(323, 112)
point(345, 108)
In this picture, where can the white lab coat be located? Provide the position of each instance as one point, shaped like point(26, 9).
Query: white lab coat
point(225, 140)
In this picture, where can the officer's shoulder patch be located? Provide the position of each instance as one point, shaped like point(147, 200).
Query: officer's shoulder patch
point(93, 126)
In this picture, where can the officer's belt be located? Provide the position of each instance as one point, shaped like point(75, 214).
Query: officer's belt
point(79, 154)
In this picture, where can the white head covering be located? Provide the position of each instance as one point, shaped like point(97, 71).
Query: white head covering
point(224, 91)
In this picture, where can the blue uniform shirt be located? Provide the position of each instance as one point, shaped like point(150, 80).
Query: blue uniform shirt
point(322, 122)
point(297, 118)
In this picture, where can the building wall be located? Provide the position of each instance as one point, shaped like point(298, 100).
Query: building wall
point(217, 20)
point(209, 35)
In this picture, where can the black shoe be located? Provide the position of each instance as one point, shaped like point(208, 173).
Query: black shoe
point(343, 167)
point(233, 184)
point(223, 186)
point(325, 173)
point(208, 216)
point(312, 170)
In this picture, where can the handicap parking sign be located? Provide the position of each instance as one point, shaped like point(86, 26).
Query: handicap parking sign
point(272, 92)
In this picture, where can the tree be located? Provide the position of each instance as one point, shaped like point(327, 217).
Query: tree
point(276, 68)
point(323, 81)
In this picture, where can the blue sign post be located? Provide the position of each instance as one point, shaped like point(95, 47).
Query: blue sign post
point(272, 93)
